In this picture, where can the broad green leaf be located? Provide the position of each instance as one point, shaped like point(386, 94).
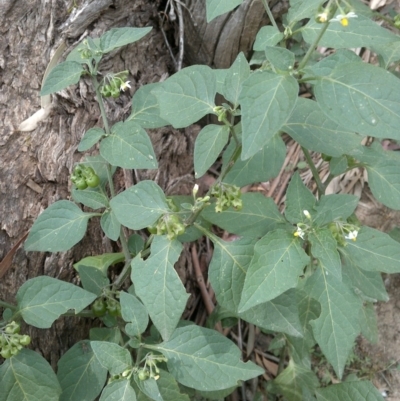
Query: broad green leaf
point(110, 225)
point(338, 325)
point(111, 334)
point(61, 76)
point(118, 37)
point(228, 269)
point(351, 97)
point(134, 313)
point(28, 377)
point(281, 315)
point(216, 8)
point(368, 322)
point(311, 128)
point(210, 142)
point(300, 9)
point(324, 248)
point(277, 263)
point(120, 390)
point(187, 96)
point(338, 165)
point(374, 251)
point(220, 75)
point(369, 283)
point(128, 146)
point(145, 108)
point(149, 389)
point(112, 356)
point(158, 285)
point(258, 216)
point(169, 388)
point(81, 375)
point(217, 395)
point(266, 101)
point(194, 362)
point(76, 53)
point(140, 206)
point(43, 299)
point(261, 167)
point(267, 36)
point(280, 58)
point(333, 207)
point(135, 244)
point(349, 391)
point(239, 71)
point(298, 199)
point(93, 279)
point(293, 380)
point(90, 138)
point(390, 52)
point(361, 32)
point(90, 197)
point(58, 228)
point(384, 182)
point(101, 262)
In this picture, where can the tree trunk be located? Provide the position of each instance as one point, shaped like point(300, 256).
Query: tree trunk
point(36, 165)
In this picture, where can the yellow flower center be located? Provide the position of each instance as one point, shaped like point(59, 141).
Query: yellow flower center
point(344, 21)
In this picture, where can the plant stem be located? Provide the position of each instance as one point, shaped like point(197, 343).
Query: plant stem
point(270, 16)
point(101, 104)
point(320, 185)
point(4, 304)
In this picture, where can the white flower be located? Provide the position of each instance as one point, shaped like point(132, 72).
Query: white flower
point(323, 17)
point(307, 214)
point(344, 19)
point(352, 235)
point(299, 233)
point(124, 85)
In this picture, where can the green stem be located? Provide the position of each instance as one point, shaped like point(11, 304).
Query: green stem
point(270, 16)
point(320, 185)
point(127, 267)
point(101, 104)
point(4, 304)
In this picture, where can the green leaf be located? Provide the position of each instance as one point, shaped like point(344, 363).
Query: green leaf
point(90, 138)
point(374, 251)
point(266, 101)
point(93, 279)
point(333, 207)
point(390, 52)
point(120, 390)
point(311, 128)
point(27, 376)
point(111, 334)
point(76, 53)
point(110, 225)
point(135, 244)
point(101, 262)
point(149, 388)
point(216, 8)
point(258, 216)
point(112, 356)
point(209, 144)
point(261, 167)
point(277, 263)
point(169, 388)
point(239, 71)
point(118, 37)
point(280, 58)
point(128, 146)
point(338, 165)
point(81, 375)
point(301, 9)
point(140, 206)
point(349, 391)
point(61, 76)
point(361, 32)
point(42, 300)
point(158, 285)
point(384, 182)
point(134, 313)
point(350, 96)
point(267, 36)
point(324, 248)
point(58, 228)
point(368, 322)
point(192, 359)
point(90, 197)
point(298, 199)
point(293, 380)
point(187, 96)
point(145, 108)
point(338, 325)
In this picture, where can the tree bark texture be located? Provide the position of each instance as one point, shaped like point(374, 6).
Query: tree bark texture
point(36, 165)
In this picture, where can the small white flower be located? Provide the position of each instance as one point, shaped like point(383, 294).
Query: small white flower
point(299, 233)
point(323, 17)
point(352, 235)
point(344, 18)
point(307, 214)
point(124, 85)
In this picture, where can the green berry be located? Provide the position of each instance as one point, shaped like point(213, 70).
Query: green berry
point(25, 340)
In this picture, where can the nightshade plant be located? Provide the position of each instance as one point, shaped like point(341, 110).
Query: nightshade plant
point(309, 276)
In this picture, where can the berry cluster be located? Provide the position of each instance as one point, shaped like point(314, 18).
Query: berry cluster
point(169, 224)
point(11, 342)
point(227, 196)
point(84, 176)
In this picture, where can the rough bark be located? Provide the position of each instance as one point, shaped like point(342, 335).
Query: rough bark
point(35, 166)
